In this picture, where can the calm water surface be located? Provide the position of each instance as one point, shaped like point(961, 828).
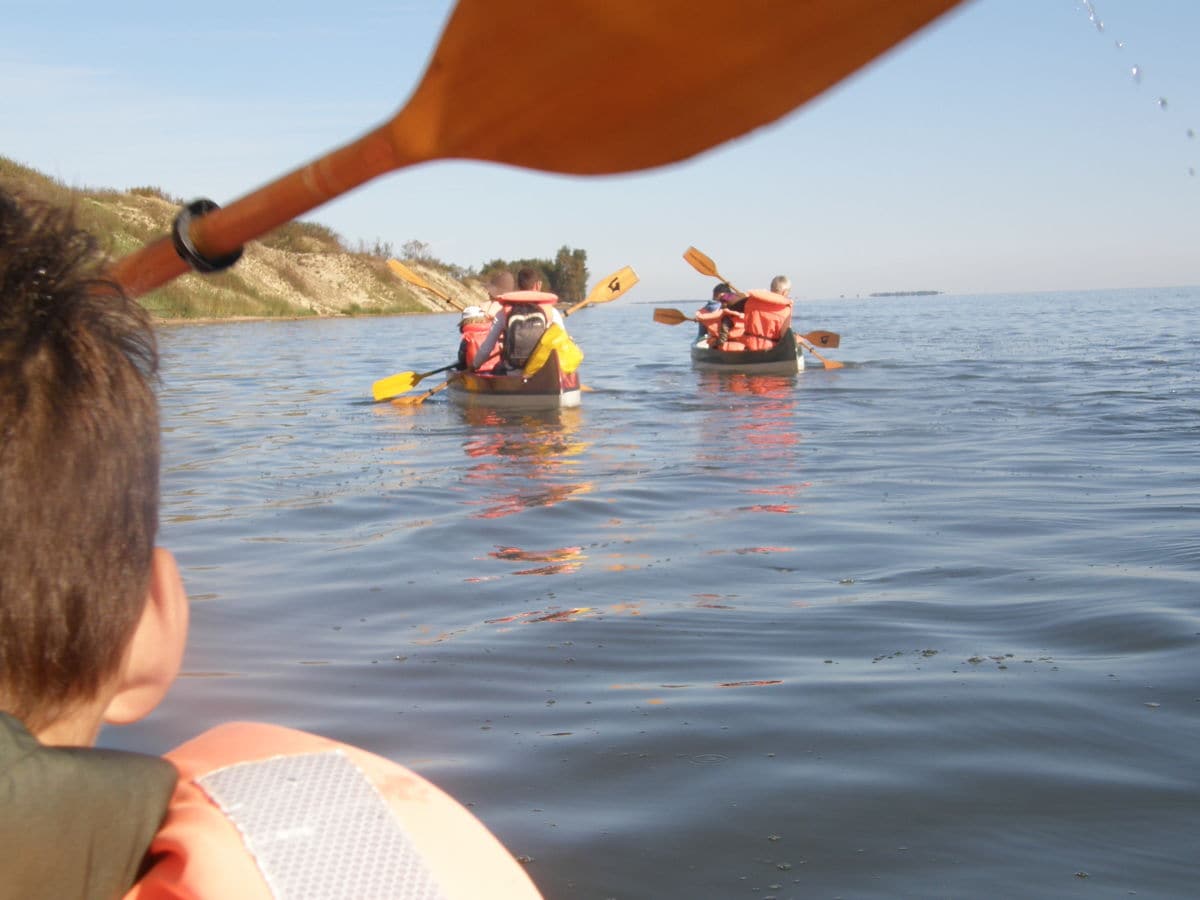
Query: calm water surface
point(925, 626)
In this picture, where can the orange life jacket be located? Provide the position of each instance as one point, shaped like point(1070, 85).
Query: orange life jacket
point(526, 318)
point(473, 334)
point(262, 811)
point(712, 324)
point(768, 316)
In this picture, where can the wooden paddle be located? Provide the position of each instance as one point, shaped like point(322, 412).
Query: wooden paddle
point(412, 277)
point(607, 289)
point(829, 363)
point(421, 398)
point(692, 74)
point(825, 338)
point(387, 388)
point(706, 266)
point(675, 317)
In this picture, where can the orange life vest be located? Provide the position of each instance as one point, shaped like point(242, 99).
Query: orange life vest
point(474, 333)
point(768, 316)
point(262, 811)
point(526, 318)
point(712, 324)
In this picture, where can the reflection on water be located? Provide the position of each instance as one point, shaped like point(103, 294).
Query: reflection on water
point(755, 437)
point(521, 460)
point(926, 627)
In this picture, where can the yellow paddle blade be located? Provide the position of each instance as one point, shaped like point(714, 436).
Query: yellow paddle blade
point(607, 289)
point(413, 278)
point(393, 385)
point(613, 286)
point(554, 338)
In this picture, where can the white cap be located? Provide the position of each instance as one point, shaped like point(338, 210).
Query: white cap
point(472, 312)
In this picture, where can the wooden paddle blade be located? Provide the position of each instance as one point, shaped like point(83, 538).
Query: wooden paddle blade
point(692, 74)
point(613, 286)
point(412, 277)
point(828, 363)
point(824, 338)
point(607, 289)
point(701, 263)
point(407, 274)
point(705, 266)
point(671, 317)
point(386, 388)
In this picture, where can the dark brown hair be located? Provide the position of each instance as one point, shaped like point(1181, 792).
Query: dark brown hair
point(79, 459)
point(526, 279)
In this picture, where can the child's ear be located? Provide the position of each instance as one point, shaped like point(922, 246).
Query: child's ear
point(156, 650)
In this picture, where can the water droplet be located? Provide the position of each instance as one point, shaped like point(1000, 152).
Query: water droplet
point(1162, 103)
point(1191, 133)
point(1120, 45)
point(1191, 170)
point(1136, 74)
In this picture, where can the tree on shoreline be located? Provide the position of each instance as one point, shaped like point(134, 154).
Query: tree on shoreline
point(566, 275)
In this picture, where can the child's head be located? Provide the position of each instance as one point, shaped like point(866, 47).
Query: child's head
point(472, 315)
point(79, 460)
point(501, 283)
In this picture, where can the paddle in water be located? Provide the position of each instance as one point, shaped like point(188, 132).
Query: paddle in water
point(657, 106)
point(394, 385)
point(705, 266)
point(421, 398)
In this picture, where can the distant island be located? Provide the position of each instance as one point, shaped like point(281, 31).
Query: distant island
point(905, 294)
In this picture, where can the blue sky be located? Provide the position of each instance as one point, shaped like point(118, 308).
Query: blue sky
point(1008, 148)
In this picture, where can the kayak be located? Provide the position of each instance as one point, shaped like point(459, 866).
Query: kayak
point(782, 359)
point(548, 388)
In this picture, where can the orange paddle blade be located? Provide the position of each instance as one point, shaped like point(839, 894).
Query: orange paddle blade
point(627, 84)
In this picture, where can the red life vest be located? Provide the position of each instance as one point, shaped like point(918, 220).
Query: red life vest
point(262, 811)
point(768, 316)
point(473, 334)
point(712, 324)
point(526, 318)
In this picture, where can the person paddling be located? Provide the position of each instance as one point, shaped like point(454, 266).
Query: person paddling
point(767, 315)
point(524, 316)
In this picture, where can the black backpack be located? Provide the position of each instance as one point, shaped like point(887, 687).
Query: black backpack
point(524, 326)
